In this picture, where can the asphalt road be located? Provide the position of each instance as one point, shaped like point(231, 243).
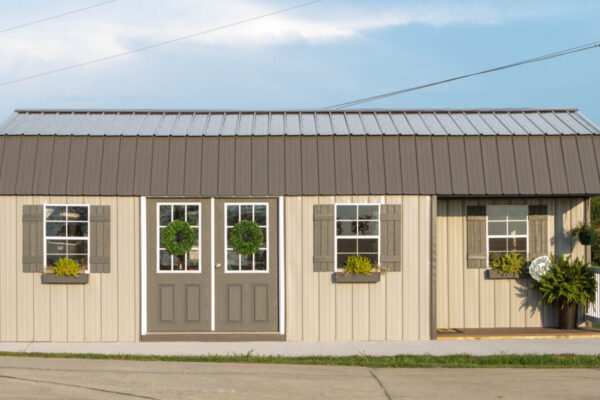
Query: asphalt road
point(32, 378)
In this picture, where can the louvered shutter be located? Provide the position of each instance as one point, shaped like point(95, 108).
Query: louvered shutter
point(538, 231)
point(391, 237)
point(476, 237)
point(323, 227)
point(99, 239)
point(33, 238)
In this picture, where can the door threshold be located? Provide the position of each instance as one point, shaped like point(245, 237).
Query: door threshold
point(213, 337)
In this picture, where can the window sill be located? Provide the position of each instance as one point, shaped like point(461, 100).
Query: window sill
point(82, 279)
point(341, 277)
point(491, 274)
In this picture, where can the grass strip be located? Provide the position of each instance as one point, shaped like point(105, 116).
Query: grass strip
point(399, 361)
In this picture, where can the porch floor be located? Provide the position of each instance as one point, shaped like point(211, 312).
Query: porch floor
point(519, 333)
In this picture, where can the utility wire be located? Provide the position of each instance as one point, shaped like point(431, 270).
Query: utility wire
point(487, 71)
point(56, 16)
point(152, 46)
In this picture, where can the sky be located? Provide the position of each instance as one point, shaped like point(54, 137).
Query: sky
point(320, 55)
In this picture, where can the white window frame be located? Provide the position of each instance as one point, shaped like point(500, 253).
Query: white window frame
point(488, 236)
point(158, 271)
point(66, 237)
point(266, 271)
point(378, 236)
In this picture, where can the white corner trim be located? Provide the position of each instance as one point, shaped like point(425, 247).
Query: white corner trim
point(143, 266)
point(212, 264)
point(281, 243)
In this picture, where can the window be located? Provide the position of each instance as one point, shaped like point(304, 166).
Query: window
point(507, 230)
point(190, 213)
point(357, 232)
point(66, 233)
point(259, 261)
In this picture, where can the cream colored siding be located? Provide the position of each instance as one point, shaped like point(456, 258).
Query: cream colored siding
point(396, 308)
point(106, 309)
point(465, 299)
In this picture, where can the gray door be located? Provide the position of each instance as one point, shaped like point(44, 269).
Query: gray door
point(178, 287)
point(246, 288)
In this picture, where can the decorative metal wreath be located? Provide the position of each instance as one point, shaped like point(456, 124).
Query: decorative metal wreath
point(246, 237)
point(178, 237)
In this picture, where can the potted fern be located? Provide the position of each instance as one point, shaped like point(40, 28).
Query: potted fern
point(358, 269)
point(568, 284)
point(507, 266)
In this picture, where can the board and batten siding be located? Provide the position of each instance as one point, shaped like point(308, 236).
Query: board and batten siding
point(396, 308)
point(105, 309)
point(466, 299)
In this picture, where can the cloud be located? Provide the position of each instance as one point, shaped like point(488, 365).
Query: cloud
point(125, 25)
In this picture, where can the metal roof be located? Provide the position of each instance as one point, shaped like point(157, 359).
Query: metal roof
point(298, 122)
point(480, 165)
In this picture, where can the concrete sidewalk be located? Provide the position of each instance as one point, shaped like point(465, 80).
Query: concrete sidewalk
point(474, 347)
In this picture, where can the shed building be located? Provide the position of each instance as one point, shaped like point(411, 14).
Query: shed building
point(428, 196)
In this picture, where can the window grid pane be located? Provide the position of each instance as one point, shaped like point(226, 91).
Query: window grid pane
point(66, 233)
point(251, 212)
point(507, 230)
point(184, 212)
point(357, 232)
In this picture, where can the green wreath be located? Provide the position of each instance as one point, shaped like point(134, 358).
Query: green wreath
point(178, 237)
point(246, 237)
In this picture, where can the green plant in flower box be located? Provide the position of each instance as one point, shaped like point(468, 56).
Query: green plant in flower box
point(510, 263)
point(66, 267)
point(358, 265)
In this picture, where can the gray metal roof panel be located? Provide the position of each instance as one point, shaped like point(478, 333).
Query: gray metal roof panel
point(301, 165)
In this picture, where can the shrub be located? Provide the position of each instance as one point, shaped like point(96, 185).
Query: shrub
point(510, 263)
point(66, 267)
point(358, 265)
point(567, 282)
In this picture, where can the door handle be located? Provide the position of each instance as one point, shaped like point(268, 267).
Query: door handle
point(217, 265)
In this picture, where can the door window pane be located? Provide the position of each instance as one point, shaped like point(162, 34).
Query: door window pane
point(246, 213)
point(192, 215)
point(249, 212)
point(260, 215)
point(233, 215)
point(165, 215)
point(179, 212)
point(189, 213)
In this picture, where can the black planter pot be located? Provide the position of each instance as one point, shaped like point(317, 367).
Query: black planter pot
point(588, 237)
point(567, 317)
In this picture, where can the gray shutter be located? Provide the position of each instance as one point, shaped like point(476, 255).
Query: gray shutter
point(323, 225)
point(538, 231)
point(391, 237)
point(476, 237)
point(100, 238)
point(33, 238)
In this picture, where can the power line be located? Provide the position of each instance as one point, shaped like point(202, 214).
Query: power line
point(487, 71)
point(152, 46)
point(56, 16)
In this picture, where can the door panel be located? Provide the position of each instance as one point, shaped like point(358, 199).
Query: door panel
point(178, 300)
point(246, 296)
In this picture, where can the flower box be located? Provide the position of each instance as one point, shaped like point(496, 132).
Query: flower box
point(493, 274)
point(341, 277)
point(82, 279)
